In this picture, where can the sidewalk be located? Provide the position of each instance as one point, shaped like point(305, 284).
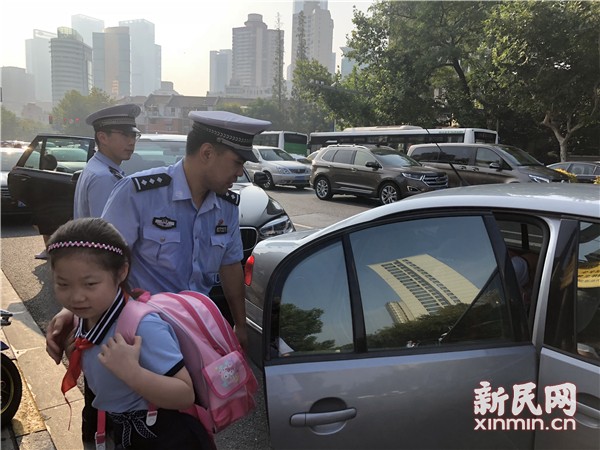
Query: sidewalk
point(42, 422)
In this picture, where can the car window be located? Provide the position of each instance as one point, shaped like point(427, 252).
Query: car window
point(425, 153)
point(484, 157)
point(582, 169)
point(10, 157)
point(154, 153)
point(573, 321)
point(429, 282)
point(344, 156)
point(314, 314)
point(456, 155)
point(328, 154)
point(587, 307)
point(363, 157)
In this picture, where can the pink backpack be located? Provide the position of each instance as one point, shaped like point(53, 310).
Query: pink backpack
point(223, 380)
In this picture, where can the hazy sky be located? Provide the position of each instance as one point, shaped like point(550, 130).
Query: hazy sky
point(186, 30)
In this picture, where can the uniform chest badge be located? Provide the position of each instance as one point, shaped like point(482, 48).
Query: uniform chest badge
point(221, 228)
point(164, 223)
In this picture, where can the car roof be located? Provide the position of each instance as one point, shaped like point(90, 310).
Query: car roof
point(573, 199)
point(163, 137)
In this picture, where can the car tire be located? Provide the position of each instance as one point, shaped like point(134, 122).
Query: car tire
point(269, 183)
point(323, 188)
point(389, 193)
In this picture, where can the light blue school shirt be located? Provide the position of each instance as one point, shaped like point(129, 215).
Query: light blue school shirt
point(94, 186)
point(175, 246)
point(160, 353)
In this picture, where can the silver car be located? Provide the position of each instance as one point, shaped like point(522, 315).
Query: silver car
point(463, 318)
point(279, 167)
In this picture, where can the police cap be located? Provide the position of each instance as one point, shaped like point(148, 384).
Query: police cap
point(230, 129)
point(120, 116)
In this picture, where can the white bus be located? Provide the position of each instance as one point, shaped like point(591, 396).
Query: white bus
point(401, 137)
point(290, 141)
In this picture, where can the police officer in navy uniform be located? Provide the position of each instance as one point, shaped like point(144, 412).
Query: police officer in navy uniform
point(116, 133)
point(182, 221)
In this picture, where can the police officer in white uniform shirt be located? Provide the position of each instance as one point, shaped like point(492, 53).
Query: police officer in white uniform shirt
point(182, 221)
point(115, 133)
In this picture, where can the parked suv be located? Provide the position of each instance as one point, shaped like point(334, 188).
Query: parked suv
point(468, 164)
point(371, 171)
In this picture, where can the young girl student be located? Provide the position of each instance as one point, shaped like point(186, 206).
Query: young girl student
point(90, 262)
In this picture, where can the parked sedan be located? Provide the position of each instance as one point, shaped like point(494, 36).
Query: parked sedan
point(45, 177)
point(584, 171)
point(279, 167)
point(375, 171)
point(406, 326)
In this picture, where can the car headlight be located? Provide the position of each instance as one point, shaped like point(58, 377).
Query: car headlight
point(284, 170)
point(538, 179)
point(413, 176)
point(276, 227)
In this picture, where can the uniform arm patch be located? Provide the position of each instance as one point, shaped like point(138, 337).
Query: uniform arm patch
point(147, 182)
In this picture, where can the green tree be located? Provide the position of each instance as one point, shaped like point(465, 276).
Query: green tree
point(69, 115)
point(16, 128)
point(416, 58)
point(300, 326)
point(268, 109)
point(279, 88)
point(542, 59)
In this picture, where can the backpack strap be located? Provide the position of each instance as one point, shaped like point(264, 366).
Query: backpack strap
point(130, 317)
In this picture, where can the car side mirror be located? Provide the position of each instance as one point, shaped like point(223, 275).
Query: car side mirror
point(260, 178)
point(373, 165)
point(496, 165)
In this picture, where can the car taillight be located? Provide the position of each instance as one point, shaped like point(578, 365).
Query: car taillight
point(248, 270)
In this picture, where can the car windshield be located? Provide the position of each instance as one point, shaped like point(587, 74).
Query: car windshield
point(390, 157)
point(275, 154)
point(518, 157)
point(10, 158)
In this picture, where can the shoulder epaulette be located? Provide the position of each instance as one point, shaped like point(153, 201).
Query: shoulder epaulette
point(146, 182)
point(118, 175)
point(231, 197)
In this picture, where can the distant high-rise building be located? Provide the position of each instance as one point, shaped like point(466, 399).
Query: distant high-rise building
point(146, 57)
point(86, 26)
point(17, 89)
point(112, 66)
point(254, 52)
point(318, 36)
point(71, 64)
point(347, 63)
point(299, 5)
point(220, 71)
point(38, 64)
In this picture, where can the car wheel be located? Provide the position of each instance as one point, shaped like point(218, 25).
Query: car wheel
point(323, 188)
point(389, 193)
point(269, 183)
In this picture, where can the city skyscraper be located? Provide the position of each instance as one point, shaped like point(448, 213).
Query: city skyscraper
point(86, 26)
point(220, 71)
point(299, 5)
point(17, 89)
point(254, 52)
point(38, 64)
point(71, 64)
point(112, 66)
point(146, 57)
point(318, 35)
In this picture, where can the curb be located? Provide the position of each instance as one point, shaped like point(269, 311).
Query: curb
point(42, 421)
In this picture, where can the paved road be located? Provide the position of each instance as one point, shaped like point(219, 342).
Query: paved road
point(31, 280)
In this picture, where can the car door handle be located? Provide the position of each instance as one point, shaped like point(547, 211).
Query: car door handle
point(589, 413)
point(353, 169)
point(475, 169)
point(324, 418)
point(462, 167)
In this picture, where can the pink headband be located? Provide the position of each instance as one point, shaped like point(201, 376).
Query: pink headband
point(87, 244)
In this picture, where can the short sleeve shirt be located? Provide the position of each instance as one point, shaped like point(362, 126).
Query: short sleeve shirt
point(160, 353)
point(95, 185)
point(175, 246)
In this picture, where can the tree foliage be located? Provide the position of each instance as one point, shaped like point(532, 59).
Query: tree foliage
point(543, 59)
point(69, 115)
point(16, 128)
